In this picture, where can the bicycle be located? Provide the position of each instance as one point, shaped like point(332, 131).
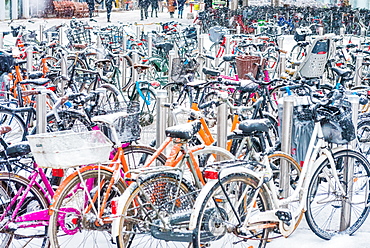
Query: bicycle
point(242, 206)
point(150, 185)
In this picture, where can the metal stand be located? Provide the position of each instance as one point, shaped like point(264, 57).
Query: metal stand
point(29, 53)
point(41, 112)
point(359, 60)
point(150, 44)
point(1, 40)
point(222, 121)
point(161, 117)
point(345, 220)
point(286, 134)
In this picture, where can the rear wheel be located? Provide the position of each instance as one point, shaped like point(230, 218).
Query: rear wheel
point(222, 213)
point(10, 185)
point(74, 221)
point(327, 206)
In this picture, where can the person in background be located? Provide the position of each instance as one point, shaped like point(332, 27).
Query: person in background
point(155, 7)
point(91, 5)
point(108, 5)
point(180, 7)
point(144, 5)
point(171, 6)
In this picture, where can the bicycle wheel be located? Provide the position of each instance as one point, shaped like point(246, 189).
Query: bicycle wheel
point(363, 135)
point(69, 120)
point(19, 130)
point(211, 154)
point(74, 221)
point(138, 156)
point(222, 214)
point(297, 53)
point(10, 185)
point(326, 203)
point(147, 100)
point(160, 194)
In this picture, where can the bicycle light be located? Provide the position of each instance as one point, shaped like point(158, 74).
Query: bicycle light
point(210, 173)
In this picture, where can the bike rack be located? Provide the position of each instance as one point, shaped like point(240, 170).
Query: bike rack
point(1, 40)
point(286, 141)
point(41, 111)
point(150, 44)
point(123, 70)
point(345, 221)
point(41, 32)
point(222, 122)
point(161, 123)
point(29, 52)
point(358, 70)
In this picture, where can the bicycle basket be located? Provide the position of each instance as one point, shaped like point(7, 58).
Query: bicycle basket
point(217, 33)
point(6, 62)
point(66, 149)
point(337, 125)
point(182, 67)
point(128, 127)
point(247, 64)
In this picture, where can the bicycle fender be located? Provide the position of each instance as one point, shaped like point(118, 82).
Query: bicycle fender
point(210, 184)
point(121, 203)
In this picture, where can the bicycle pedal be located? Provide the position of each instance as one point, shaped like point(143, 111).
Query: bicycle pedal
point(284, 216)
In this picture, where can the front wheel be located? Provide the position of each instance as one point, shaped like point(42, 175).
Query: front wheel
point(79, 217)
point(223, 211)
point(326, 205)
point(146, 209)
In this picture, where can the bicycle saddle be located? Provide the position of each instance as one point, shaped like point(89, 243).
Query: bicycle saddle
point(257, 125)
point(229, 58)
point(35, 74)
point(211, 72)
point(184, 131)
point(342, 72)
point(37, 81)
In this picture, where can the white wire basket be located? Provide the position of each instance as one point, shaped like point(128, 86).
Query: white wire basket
point(66, 149)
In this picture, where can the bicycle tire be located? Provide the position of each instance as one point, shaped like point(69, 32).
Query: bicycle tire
point(70, 120)
point(78, 227)
point(166, 196)
point(147, 100)
point(297, 53)
point(216, 220)
point(363, 136)
point(17, 124)
point(136, 156)
point(35, 200)
point(178, 93)
point(129, 71)
point(211, 154)
point(325, 202)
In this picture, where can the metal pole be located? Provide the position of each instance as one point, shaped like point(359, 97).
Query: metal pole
point(150, 44)
point(161, 117)
point(135, 59)
point(358, 70)
point(41, 112)
point(345, 220)
point(124, 41)
point(222, 121)
point(280, 42)
point(1, 40)
point(201, 51)
point(286, 134)
point(238, 29)
point(61, 35)
point(99, 47)
point(138, 32)
point(282, 64)
point(321, 30)
point(227, 52)
point(171, 56)
point(123, 70)
point(29, 53)
point(41, 38)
